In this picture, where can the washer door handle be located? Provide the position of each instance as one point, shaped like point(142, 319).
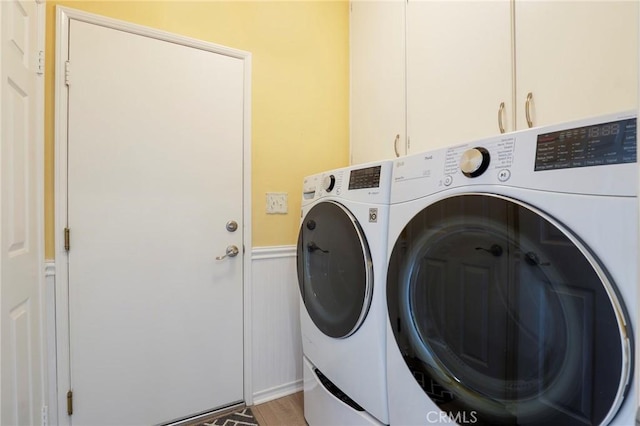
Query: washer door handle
point(313, 247)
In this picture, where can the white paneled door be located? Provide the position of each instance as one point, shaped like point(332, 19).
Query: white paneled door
point(155, 173)
point(21, 262)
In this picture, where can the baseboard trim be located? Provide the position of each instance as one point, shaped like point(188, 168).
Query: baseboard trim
point(277, 392)
point(273, 252)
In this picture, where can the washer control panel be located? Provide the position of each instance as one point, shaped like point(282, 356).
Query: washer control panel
point(366, 182)
point(328, 182)
point(368, 177)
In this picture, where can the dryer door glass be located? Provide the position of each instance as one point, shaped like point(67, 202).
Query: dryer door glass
point(335, 273)
point(505, 318)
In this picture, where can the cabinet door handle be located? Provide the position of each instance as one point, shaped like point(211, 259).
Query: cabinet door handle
point(500, 114)
point(395, 145)
point(527, 109)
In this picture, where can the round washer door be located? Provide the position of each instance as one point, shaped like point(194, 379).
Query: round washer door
point(335, 272)
point(504, 317)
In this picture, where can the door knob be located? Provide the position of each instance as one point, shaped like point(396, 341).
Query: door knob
point(232, 251)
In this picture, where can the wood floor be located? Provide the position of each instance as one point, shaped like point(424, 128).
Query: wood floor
point(287, 411)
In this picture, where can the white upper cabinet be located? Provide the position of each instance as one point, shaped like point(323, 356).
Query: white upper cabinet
point(578, 59)
point(470, 66)
point(377, 119)
point(459, 74)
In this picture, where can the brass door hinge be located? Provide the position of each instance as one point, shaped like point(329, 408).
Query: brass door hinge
point(69, 403)
point(67, 240)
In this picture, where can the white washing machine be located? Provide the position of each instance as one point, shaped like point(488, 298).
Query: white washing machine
point(341, 260)
point(512, 285)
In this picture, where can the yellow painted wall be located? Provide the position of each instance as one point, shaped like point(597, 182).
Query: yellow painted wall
point(300, 79)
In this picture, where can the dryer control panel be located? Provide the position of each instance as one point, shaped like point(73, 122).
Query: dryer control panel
point(600, 144)
point(595, 156)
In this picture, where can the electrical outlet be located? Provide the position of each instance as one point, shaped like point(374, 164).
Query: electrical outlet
point(277, 203)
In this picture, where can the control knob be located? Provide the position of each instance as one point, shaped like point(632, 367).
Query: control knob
point(329, 182)
point(474, 162)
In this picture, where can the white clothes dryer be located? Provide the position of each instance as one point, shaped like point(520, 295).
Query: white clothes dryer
point(512, 285)
point(341, 261)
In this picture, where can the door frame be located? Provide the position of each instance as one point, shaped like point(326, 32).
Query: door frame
point(63, 17)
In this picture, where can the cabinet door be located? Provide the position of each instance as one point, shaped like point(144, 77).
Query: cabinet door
point(459, 71)
point(377, 80)
point(577, 58)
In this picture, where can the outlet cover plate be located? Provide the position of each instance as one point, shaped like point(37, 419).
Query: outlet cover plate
point(277, 203)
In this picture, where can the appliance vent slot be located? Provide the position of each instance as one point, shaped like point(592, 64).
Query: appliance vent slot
point(335, 391)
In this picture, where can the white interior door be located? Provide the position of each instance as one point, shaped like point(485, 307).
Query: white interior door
point(21, 259)
point(155, 172)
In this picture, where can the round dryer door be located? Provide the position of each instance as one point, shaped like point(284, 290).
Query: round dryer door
point(504, 317)
point(334, 269)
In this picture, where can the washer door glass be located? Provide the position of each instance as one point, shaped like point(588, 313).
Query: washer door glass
point(503, 316)
point(334, 269)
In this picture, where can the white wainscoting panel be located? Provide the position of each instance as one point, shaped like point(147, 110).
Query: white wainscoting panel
point(276, 340)
point(51, 411)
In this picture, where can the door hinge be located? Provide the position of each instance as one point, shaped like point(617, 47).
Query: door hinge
point(67, 72)
point(45, 415)
point(40, 69)
point(69, 403)
point(67, 239)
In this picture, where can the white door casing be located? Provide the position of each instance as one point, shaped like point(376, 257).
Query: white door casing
point(152, 165)
point(23, 372)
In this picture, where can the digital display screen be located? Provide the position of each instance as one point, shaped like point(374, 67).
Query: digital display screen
point(365, 178)
point(596, 145)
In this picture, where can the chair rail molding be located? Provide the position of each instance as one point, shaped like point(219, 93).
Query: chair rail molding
point(273, 252)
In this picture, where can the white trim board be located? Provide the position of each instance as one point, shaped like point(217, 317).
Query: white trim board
point(273, 252)
point(277, 392)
